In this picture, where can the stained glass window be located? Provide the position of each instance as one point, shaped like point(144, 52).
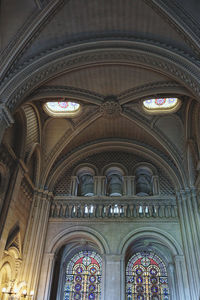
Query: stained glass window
point(61, 108)
point(161, 104)
point(146, 278)
point(83, 277)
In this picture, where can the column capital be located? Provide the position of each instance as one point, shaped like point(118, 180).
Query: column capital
point(178, 258)
point(113, 257)
point(43, 194)
point(170, 267)
point(50, 255)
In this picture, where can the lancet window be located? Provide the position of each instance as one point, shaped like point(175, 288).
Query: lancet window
point(146, 278)
point(83, 276)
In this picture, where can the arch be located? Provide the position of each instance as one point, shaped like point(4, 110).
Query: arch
point(74, 232)
point(115, 165)
point(85, 180)
point(147, 165)
point(155, 233)
point(137, 52)
point(83, 166)
point(146, 179)
point(122, 145)
point(176, 17)
point(162, 244)
point(146, 274)
point(85, 262)
point(114, 179)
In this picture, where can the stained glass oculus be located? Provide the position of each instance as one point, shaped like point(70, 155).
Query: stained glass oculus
point(83, 277)
point(146, 278)
point(161, 104)
point(61, 108)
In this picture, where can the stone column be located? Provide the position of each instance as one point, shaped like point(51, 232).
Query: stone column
point(156, 187)
point(100, 185)
point(74, 185)
point(46, 276)
point(6, 119)
point(181, 280)
point(173, 288)
point(112, 277)
point(35, 239)
point(131, 185)
point(190, 237)
point(125, 186)
point(11, 194)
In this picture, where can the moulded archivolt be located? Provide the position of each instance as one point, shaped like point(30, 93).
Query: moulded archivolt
point(161, 105)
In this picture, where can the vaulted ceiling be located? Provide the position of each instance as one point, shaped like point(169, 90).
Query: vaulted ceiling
point(93, 52)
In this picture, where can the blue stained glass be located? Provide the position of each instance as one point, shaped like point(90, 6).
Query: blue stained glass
point(83, 277)
point(150, 276)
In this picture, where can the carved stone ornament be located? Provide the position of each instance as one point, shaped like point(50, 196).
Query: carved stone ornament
point(110, 108)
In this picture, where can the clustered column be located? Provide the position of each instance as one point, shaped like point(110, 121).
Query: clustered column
point(189, 222)
point(35, 238)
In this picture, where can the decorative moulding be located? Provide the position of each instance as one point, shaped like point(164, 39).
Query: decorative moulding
point(49, 66)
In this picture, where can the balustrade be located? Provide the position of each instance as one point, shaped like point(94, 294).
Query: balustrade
point(109, 208)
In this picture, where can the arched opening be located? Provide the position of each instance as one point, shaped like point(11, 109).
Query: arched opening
point(83, 274)
point(114, 176)
point(146, 277)
point(78, 253)
point(77, 272)
point(143, 178)
point(151, 271)
point(85, 177)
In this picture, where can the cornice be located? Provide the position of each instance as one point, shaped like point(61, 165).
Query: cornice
point(112, 200)
point(106, 220)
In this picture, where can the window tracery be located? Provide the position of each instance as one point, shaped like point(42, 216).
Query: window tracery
point(83, 276)
point(146, 277)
